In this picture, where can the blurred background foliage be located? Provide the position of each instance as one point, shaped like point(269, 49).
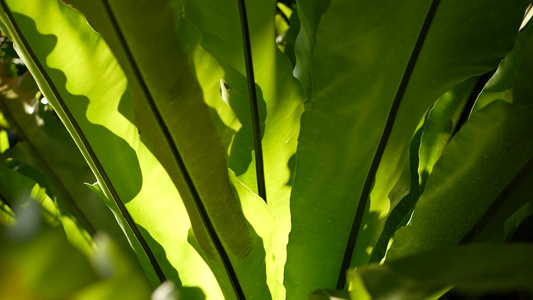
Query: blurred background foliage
point(47, 249)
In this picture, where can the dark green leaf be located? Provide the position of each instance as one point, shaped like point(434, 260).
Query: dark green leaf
point(474, 269)
point(361, 118)
point(481, 161)
point(325, 294)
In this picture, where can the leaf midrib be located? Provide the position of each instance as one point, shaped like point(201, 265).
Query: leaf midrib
point(252, 97)
point(176, 154)
point(376, 161)
point(106, 181)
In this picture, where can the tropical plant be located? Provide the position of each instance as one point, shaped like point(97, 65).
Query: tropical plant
point(263, 150)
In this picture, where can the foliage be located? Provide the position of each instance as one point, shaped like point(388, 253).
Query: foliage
point(263, 150)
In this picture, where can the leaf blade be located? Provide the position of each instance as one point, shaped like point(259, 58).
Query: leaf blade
point(175, 121)
point(125, 159)
point(364, 95)
point(499, 126)
point(473, 268)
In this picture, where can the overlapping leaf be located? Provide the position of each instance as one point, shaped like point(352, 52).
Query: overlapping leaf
point(48, 148)
point(184, 111)
point(487, 162)
point(430, 140)
point(81, 78)
point(279, 94)
point(361, 118)
point(172, 116)
point(476, 269)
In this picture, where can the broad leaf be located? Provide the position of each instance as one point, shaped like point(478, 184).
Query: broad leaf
point(430, 140)
point(396, 61)
point(279, 94)
point(190, 119)
point(47, 147)
point(484, 167)
point(175, 121)
point(476, 269)
point(136, 187)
